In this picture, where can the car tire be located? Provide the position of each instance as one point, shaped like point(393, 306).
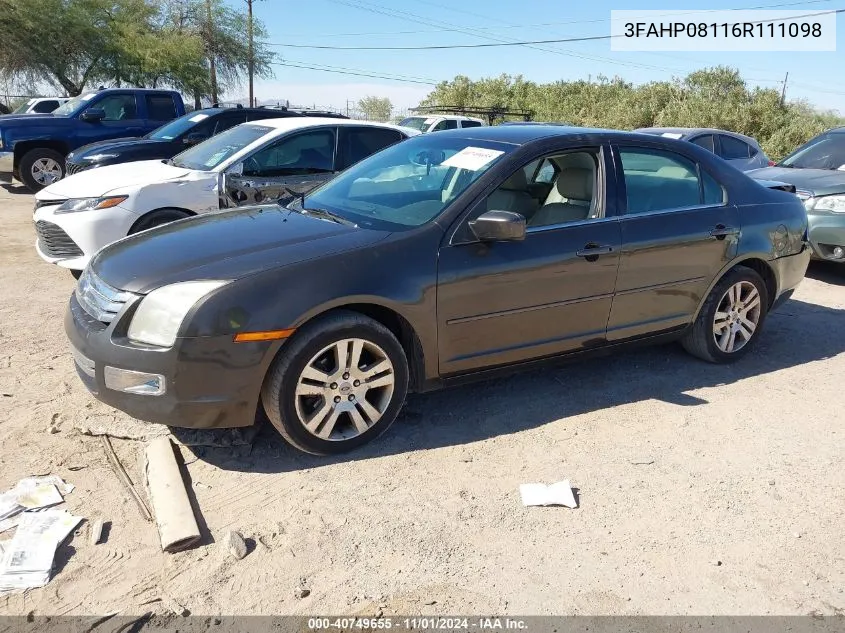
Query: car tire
point(158, 218)
point(49, 163)
point(731, 319)
point(306, 388)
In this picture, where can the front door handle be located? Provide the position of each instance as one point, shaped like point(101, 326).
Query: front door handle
point(721, 231)
point(591, 251)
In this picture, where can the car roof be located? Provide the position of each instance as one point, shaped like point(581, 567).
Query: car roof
point(521, 134)
point(288, 124)
point(690, 131)
point(219, 109)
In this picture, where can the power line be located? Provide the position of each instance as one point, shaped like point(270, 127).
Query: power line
point(361, 70)
point(357, 74)
point(496, 44)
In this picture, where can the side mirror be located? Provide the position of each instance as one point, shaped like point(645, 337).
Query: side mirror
point(194, 138)
point(236, 170)
point(499, 226)
point(93, 115)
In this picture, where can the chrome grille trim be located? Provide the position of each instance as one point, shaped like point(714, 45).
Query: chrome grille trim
point(99, 299)
point(803, 194)
point(73, 168)
point(48, 203)
point(55, 242)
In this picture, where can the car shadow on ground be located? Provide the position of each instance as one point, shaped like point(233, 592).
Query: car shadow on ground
point(795, 334)
point(16, 188)
point(828, 272)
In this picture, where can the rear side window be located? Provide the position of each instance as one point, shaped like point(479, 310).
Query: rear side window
point(656, 180)
point(45, 106)
point(446, 124)
point(733, 148)
point(362, 142)
point(160, 107)
point(470, 124)
point(705, 141)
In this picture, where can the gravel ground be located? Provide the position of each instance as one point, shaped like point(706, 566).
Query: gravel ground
point(703, 489)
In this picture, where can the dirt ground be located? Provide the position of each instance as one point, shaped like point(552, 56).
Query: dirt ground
point(703, 489)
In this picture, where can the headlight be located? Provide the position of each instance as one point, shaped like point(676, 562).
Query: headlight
point(158, 318)
point(89, 204)
point(98, 157)
point(826, 203)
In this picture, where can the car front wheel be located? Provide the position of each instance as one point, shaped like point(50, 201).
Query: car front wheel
point(338, 383)
point(730, 321)
point(41, 167)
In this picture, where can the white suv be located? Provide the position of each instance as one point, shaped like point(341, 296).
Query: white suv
point(425, 124)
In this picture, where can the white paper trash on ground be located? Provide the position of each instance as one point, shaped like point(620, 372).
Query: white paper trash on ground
point(558, 494)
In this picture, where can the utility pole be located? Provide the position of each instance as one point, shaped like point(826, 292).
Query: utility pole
point(212, 53)
point(251, 61)
point(783, 92)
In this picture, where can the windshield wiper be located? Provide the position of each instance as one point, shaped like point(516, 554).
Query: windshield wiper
point(325, 214)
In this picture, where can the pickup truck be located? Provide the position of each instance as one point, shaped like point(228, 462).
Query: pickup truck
point(33, 147)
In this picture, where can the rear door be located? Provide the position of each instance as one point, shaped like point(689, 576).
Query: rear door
point(678, 231)
point(296, 162)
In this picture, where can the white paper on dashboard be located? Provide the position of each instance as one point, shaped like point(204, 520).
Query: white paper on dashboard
point(671, 135)
point(198, 117)
point(472, 158)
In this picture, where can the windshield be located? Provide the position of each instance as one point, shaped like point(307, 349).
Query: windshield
point(419, 123)
point(209, 154)
point(823, 152)
point(22, 107)
point(72, 105)
point(407, 184)
point(177, 127)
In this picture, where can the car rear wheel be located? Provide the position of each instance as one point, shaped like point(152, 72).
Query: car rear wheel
point(731, 318)
point(338, 383)
point(41, 167)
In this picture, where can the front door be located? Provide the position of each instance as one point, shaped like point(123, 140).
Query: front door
point(122, 119)
point(296, 163)
point(678, 232)
point(505, 302)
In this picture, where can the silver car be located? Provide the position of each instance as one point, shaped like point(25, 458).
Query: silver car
point(743, 152)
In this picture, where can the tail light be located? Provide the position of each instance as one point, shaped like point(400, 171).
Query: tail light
point(771, 163)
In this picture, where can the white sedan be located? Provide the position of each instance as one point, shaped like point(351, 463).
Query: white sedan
point(253, 163)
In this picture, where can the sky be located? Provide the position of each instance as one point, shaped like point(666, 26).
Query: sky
point(814, 76)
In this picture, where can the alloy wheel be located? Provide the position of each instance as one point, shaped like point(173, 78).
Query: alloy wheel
point(46, 171)
point(344, 389)
point(737, 317)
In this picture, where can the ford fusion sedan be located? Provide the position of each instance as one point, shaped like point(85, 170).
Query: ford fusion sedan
point(817, 171)
point(743, 152)
point(442, 258)
point(168, 140)
point(253, 163)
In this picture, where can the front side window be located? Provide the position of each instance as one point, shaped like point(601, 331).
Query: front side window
point(229, 120)
point(215, 151)
point(407, 184)
point(732, 148)
point(656, 180)
point(118, 107)
point(557, 189)
point(306, 153)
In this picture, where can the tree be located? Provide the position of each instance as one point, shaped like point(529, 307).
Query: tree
point(375, 108)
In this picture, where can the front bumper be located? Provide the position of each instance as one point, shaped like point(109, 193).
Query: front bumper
point(209, 382)
point(6, 166)
point(826, 232)
point(88, 231)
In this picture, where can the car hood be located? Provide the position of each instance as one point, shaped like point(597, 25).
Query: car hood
point(14, 120)
point(98, 182)
point(229, 245)
point(819, 182)
point(117, 144)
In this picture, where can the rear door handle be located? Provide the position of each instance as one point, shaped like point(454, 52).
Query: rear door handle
point(721, 231)
point(592, 251)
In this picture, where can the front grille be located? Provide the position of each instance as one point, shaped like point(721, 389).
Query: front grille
point(99, 299)
point(55, 242)
point(47, 203)
point(73, 168)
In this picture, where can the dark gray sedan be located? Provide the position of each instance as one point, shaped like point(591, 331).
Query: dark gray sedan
point(443, 258)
